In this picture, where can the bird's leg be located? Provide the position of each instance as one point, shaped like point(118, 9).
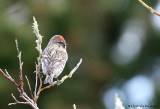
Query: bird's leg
point(40, 75)
point(58, 82)
point(51, 81)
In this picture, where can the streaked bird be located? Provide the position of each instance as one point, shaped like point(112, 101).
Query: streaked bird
point(54, 58)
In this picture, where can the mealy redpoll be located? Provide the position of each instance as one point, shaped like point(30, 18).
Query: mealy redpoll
point(54, 58)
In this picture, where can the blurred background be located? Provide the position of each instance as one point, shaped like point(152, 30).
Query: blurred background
point(119, 41)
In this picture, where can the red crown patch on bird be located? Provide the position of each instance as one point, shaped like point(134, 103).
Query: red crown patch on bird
point(60, 38)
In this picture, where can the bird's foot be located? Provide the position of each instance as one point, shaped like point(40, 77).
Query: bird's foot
point(52, 83)
point(40, 75)
point(58, 82)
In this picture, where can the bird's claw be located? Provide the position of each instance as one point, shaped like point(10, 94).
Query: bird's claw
point(52, 83)
point(58, 82)
point(40, 74)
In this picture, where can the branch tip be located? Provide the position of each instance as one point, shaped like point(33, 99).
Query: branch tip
point(149, 8)
point(74, 106)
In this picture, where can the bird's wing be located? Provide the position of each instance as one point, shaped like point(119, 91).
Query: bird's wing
point(53, 61)
point(47, 56)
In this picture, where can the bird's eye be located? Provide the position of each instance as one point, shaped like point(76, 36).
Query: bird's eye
point(60, 42)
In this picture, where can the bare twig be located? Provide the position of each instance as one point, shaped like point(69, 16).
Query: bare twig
point(29, 87)
point(20, 65)
point(149, 8)
point(39, 90)
point(35, 90)
point(23, 95)
point(9, 78)
point(8, 75)
point(16, 101)
point(34, 106)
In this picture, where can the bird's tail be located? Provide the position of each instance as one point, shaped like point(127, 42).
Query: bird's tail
point(48, 79)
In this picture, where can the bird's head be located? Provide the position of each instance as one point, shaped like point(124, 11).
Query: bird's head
point(59, 40)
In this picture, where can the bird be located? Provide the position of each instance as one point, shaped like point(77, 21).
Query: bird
point(54, 58)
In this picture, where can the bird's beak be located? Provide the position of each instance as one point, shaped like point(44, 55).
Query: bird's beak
point(65, 43)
